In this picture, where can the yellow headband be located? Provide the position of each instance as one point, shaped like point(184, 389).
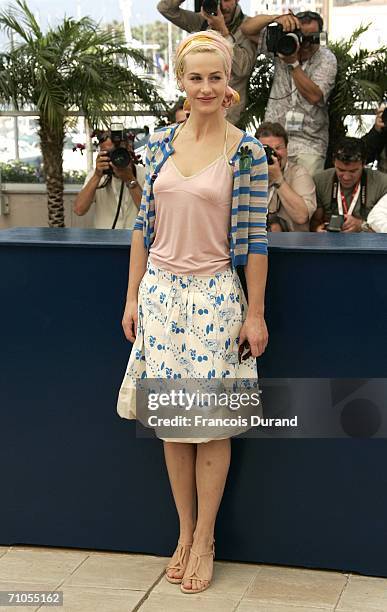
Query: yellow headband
point(209, 39)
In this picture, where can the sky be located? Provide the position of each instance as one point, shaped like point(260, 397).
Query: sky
point(143, 11)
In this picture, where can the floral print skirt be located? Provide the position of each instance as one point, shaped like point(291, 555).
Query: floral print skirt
point(188, 327)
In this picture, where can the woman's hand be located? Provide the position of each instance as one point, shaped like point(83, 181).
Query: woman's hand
point(130, 320)
point(254, 331)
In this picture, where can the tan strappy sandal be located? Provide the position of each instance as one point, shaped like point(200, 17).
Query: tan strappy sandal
point(192, 571)
point(179, 561)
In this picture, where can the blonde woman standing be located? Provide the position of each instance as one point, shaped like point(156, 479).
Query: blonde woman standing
point(202, 214)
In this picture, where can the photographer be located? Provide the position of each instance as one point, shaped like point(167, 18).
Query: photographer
point(227, 21)
point(348, 192)
point(376, 140)
point(116, 192)
point(292, 193)
point(304, 76)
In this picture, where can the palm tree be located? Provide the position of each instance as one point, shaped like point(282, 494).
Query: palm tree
point(257, 94)
point(74, 66)
point(361, 83)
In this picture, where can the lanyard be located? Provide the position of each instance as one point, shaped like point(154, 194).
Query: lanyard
point(341, 201)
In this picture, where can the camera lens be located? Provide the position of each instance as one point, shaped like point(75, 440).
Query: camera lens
point(210, 7)
point(269, 154)
point(287, 45)
point(120, 157)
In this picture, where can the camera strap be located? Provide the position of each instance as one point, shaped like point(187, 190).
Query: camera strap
point(339, 198)
point(119, 204)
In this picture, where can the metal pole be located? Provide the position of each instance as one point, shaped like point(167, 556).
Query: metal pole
point(170, 60)
point(329, 8)
point(89, 147)
point(15, 120)
point(16, 137)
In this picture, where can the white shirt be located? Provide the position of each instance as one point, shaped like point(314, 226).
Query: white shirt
point(377, 218)
point(106, 202)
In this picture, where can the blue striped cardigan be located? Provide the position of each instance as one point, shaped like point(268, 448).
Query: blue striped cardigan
point(249, 196)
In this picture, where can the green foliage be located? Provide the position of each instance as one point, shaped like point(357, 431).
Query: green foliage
point(74, 177)
point(77, 65)
point(17, 172)
point(361, 83)
point(258, 93)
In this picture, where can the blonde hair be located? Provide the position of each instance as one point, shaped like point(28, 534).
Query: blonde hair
point(208, 41)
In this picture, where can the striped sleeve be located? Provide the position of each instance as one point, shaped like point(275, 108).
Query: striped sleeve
point(139, 222)
point(258, 201)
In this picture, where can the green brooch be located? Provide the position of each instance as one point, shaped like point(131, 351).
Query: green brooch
point(245, 156)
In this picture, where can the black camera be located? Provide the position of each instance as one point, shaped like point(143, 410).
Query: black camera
point(335, 223)
point(286, 43)
point(211, 6)
point(269, 154)
point(384, 118)
point(119, 156)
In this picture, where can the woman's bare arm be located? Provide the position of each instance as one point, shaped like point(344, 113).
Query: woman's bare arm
point(137, 268)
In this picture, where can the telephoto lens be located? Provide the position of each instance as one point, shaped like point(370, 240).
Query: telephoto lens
point(288, 44)
point(120, 157)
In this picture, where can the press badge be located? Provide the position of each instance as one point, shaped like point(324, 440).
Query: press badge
point(294, 122)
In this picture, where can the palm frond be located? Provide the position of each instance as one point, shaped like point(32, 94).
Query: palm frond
point(73, 66)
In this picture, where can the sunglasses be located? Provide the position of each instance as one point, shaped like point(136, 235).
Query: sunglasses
point(311, 15)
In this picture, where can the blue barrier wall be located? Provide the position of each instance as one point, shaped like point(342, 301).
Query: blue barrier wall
point(74, 474)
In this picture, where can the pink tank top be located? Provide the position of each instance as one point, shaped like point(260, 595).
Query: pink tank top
point(192, 218)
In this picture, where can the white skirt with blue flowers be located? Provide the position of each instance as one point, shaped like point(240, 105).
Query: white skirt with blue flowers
point(188, 327)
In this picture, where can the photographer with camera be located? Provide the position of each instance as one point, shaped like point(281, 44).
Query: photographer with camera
point(115, 186)
point(226, 17)
point(292, 193)
point(376, 140)
point(348, 192)
point(304, 76)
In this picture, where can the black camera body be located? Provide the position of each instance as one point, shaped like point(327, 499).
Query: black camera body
point(286, 43)
point(211, 6)
point(269, 154)
point(335, 223)
point(119, 156)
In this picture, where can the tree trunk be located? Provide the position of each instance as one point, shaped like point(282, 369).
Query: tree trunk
point(51, 143)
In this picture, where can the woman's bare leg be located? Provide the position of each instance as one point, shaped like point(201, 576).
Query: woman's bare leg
point(180, 460)
point(212, 465)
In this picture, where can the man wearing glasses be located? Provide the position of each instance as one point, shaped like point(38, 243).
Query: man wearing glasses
point(301, 86)
point(292, 193)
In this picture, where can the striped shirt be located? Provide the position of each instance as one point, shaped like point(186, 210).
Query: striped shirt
point(249, 196)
